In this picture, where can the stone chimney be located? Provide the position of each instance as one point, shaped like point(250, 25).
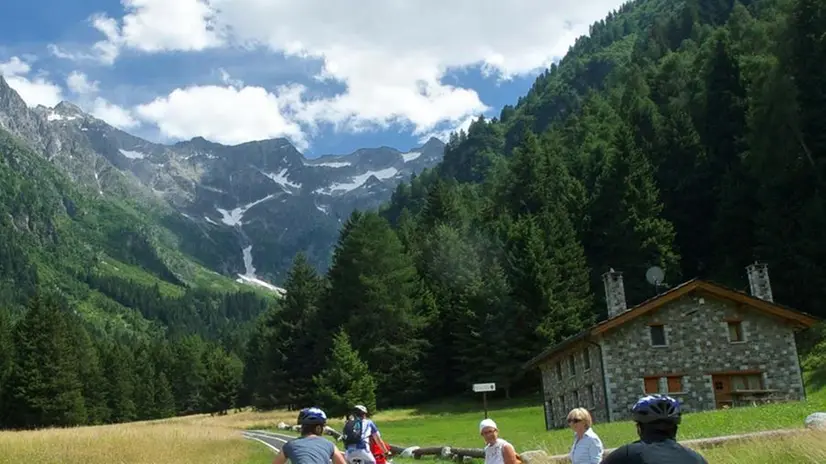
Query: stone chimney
point(614, 293)
point(759, 281)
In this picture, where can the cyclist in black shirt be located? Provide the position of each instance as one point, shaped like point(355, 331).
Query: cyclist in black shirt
point(657, 418)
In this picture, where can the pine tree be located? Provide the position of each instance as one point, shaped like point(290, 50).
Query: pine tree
point(164, 399)
point(627, 230)
point(44, 389)
point(144, 391)
point(374, 291)
point(188, 374)
point(452, 270)
point(684, 178)
point(546, 264)
point(223, 378)
point(300, 329)
point(90, 371)
point(808, 53)
point(7, 357)
point(118, 364)
point(725, 139)
point(345, 381)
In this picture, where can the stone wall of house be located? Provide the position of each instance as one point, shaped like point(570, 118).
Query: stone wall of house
point(697, 345)
point(573, 391)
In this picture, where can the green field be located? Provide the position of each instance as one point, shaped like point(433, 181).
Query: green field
point(455, 424)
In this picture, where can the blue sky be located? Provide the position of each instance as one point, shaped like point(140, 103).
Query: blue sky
point(331, 77)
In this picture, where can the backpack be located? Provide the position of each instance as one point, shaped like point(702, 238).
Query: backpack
point(352, 432)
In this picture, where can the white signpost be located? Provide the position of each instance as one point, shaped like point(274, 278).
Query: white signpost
point(484, 388)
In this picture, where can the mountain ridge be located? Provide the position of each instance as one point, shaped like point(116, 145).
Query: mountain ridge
point(247, 208)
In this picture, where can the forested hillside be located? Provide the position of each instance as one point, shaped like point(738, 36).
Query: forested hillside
point(95, 326)
point(688, 135)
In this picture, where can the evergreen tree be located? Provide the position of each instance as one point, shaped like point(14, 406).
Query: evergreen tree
point(7, 358)
point(44, 389)
point(300, 330)
point(725, 139)
point(90, 371)
point(345, 381)
point(627, 230)
point(188, 374)
point(119, 371)
point(223, 378)
point(374, 290)
point(164, 399)
point(144, 392)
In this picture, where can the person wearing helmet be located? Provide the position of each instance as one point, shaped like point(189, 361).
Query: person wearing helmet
point(358, 436)
point(658, 418)
point(311, 447)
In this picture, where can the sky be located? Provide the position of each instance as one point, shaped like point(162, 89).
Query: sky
point(331, 76)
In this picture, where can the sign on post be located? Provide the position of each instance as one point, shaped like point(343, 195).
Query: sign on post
point(484, 388)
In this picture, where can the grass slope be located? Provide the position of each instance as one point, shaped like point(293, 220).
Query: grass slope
point(205, 439)
point(524, 425)
point(58, 231)
point(455, 424)
point(172, 442)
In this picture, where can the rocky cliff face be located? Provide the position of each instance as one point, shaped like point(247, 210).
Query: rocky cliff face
point(240, 210)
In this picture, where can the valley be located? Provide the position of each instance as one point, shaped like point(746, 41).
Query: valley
point(197, 278)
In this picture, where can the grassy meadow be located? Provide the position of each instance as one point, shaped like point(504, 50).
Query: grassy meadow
point(194, 441)
point(455, 424)
point(204, 439)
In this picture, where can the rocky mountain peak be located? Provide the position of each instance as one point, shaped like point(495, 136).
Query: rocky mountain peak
point(242, 210)
point(64, 108)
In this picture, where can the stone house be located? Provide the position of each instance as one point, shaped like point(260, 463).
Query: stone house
point(705, 344)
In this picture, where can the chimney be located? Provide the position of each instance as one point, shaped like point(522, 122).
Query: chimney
point(759, 281)
point(614, 293)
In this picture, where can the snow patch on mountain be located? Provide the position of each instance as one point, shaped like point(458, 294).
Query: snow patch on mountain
point(408, 157)
point(60, 117)
point(249, 276)
point(97, 179)
point(132, 154)
point(358, 181)
point(234, 217)
point(333, 164)
point(281, 179)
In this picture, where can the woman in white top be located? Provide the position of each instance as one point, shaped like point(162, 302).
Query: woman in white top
point(587, 447)
point(497, 450)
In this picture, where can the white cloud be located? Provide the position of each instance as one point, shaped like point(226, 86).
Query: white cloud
point(227, 79)
point(87, 90)
point(390, 55)
point(444, 135)
point(226, 114)
point(113, 114)
point(34, 91)
point(80, 84)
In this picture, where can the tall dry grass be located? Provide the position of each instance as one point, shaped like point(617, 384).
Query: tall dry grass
point(156, 442)
point(243, 420)
point(804, 448)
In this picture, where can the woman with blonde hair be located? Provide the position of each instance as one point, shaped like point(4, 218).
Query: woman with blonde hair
point(587, 447)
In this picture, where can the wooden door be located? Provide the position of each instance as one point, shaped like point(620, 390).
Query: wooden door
point(722, 390)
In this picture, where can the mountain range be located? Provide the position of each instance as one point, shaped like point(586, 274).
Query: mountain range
point(242, 211)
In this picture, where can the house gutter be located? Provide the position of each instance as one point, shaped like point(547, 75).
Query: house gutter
point(604, 382)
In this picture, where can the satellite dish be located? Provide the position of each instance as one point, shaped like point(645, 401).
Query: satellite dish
point(654, 275)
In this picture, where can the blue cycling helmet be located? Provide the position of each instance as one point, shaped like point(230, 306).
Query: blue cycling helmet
point(653, 408)
point(312, 416)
